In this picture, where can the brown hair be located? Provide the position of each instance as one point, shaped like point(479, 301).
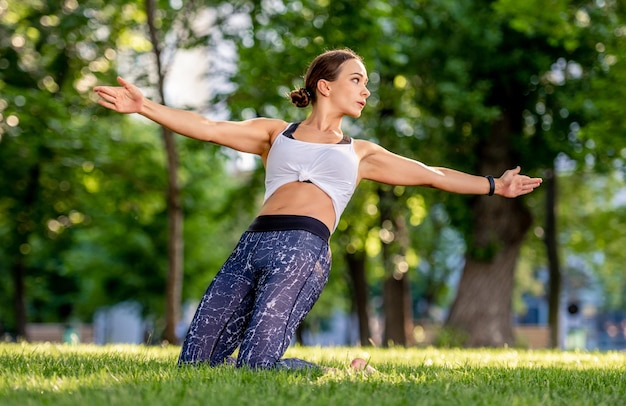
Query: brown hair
point(325, 66)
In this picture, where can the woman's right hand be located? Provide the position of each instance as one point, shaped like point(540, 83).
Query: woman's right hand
point(125, 99)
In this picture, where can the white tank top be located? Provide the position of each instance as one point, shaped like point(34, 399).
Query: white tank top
point(331, 167)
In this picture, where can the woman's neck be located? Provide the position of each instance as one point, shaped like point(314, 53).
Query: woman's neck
point(324, 123)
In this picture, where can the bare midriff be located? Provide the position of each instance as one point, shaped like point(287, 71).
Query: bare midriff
point(303, 199)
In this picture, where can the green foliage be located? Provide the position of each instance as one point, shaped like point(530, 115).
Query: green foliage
point(591, 229)
point(131, 375)
point(442, 75)
point(51, 54)
point(82, 207)
point(590, 218)
point(441, 254)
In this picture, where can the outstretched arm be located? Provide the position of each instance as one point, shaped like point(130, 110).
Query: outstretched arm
point(380, 165)
point(251, 136)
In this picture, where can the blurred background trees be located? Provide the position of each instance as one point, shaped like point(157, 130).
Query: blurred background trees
point(84, 191)
point(480, 86)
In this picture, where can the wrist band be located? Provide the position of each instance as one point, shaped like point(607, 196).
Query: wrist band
point(492, 185)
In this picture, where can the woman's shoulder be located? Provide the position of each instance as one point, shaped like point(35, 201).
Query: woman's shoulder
point(268, 123)
point(271, 126)
point(365, 147)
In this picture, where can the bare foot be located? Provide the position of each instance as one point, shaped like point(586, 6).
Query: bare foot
point(330, 371)
point(359, 364)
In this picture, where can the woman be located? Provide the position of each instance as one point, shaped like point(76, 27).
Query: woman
point(278, 269)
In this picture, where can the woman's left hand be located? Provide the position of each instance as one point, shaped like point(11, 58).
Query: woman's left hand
point(512, 184)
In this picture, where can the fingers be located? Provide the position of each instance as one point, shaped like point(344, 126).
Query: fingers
point(112, 89)
point(106, 92)
point(122, 82)
point(518, 185)
point(108, 97)
point(528, 185)
point(514, 174)
point(532, 182)
point(511, 172)
point(106, 104)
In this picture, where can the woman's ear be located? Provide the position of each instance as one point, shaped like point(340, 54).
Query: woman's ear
point(323, 87)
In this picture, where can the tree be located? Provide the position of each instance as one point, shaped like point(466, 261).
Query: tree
point(175, 215)
point(50, 57)
point(518, 109)
point(478, 86)
point(169, 28)
point(77, 180)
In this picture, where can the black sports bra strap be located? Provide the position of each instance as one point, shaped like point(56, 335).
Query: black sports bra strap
point(290, 130)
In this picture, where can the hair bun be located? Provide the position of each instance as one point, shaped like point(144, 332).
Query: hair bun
point(301, 97)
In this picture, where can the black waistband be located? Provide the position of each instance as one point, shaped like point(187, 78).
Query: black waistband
point(285, 222)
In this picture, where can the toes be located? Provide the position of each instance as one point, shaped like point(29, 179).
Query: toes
point(359, 364)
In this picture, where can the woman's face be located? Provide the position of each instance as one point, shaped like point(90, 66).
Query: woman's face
point(348, 92)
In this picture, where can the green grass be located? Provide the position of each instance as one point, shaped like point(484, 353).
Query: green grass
point(47, 374)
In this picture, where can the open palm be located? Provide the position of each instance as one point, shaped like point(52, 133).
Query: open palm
point(514, 184)
point(125, 99)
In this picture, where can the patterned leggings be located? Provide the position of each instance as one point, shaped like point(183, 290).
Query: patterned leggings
point(257, 300)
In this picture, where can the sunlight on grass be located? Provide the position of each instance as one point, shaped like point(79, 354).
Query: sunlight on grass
point(136, 375)
point(57, 368)
point(454, 358)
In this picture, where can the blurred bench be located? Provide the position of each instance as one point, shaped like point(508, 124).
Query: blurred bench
point(53, 332)
point(533, 336)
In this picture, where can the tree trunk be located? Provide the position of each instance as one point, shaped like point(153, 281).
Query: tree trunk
point(397, 300)
point(19, 297)
point(398, 311)
point(174, 284)
point(482, 309)
point(356, 269)
point(554, 288)
point(27, 219)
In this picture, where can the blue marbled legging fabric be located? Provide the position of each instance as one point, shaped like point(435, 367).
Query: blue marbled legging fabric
point(257, 300)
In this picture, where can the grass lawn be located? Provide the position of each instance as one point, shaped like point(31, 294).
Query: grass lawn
point(48, 374)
